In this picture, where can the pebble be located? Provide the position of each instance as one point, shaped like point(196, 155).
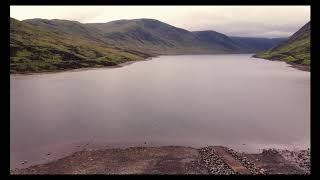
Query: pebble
point(24, 162)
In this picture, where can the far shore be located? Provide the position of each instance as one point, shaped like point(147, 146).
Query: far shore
point(104, 67)
point(293, 65)
point(80, 69)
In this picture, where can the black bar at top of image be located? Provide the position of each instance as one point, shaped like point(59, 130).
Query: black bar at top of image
point(160, 2)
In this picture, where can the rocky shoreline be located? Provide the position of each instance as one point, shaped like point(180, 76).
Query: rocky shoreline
point(300, 158)
point(300, 67)
point(214, 160)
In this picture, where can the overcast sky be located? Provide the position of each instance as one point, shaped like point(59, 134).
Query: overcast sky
point(251, 21)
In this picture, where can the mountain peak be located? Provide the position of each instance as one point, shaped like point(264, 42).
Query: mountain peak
point(146, 19)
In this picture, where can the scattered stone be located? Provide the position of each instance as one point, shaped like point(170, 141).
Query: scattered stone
point(299, 158)
point(246, 163)
point(214, 163)
point(262, 171)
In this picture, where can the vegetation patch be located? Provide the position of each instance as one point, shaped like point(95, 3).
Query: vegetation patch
point(295, 50)
point(35, 49)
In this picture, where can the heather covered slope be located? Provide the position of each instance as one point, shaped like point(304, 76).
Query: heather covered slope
point(295, 50)
point(35, 49)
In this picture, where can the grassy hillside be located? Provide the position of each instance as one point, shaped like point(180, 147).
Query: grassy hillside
point(295, 50)
point(35, 49)
point(217, 40)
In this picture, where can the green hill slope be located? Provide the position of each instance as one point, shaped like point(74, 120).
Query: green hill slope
point(296, 50)
point(148, 35)
point(216, 40)
point(35, 49)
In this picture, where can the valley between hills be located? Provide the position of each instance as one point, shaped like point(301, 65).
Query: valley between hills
point(40, 45)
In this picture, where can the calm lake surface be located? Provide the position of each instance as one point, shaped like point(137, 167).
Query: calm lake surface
point(193, 100)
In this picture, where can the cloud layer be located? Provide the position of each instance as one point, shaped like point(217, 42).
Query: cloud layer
point(251, 21)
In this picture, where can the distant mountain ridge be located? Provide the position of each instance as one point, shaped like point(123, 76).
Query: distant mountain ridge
point(295, 50)
point(102, 44)
point(156, 37)
point(256, 44)
point(218, 39)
